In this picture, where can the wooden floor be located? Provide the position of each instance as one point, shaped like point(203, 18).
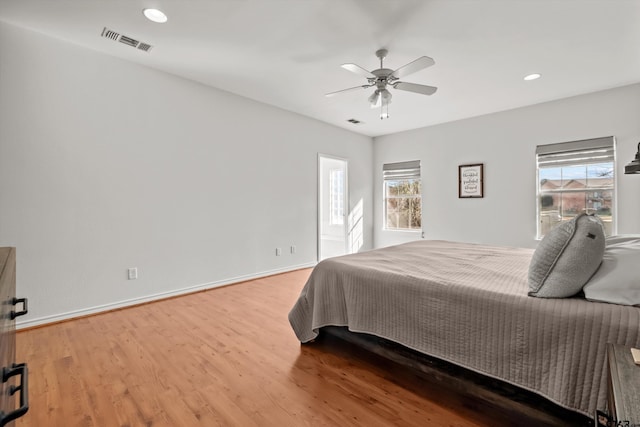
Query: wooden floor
point(223, 357)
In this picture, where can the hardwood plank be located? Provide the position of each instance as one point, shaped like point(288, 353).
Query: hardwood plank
point(224, 357)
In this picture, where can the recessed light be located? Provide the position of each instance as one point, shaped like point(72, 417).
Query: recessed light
point(155, 15)
point(533, 76)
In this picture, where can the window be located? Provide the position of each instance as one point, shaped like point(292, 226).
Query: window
point(402, 199)
point(576, 177)
point(336, 196)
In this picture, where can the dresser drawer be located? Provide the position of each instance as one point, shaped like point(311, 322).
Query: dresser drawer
point(7, 325)
point(13, 388)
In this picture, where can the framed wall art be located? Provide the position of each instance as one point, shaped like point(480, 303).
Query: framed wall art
point(471, 181)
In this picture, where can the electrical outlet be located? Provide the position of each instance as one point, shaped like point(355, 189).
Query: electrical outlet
point(132, 273)
point(293, 249)
point(278, 251)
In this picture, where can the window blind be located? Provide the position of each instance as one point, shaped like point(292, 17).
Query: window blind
point(588, 151)
point(401, 170)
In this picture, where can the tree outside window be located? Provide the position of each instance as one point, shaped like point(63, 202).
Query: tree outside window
point(403, 204)
point(402, 196)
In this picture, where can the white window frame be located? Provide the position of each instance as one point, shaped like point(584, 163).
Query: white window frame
point(336, 196)
point(576, 153)
point(409, 170)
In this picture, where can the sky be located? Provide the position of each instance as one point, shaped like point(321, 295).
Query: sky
point(577, 172)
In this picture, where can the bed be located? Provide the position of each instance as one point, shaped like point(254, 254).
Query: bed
point(467, 304)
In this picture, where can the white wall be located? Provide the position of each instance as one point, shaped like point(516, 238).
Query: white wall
point(505, 142)
point(106, 165)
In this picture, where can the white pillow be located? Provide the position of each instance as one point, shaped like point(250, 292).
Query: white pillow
point(621, 238)
point(617, 280)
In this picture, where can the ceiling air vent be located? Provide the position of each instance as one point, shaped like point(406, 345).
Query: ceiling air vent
point(354, 121)
point(129, 41)
point(110, 34)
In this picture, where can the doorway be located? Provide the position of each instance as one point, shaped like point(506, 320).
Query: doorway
point(333, 203)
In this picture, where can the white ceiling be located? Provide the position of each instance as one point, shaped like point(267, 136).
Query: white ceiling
point(288, 53)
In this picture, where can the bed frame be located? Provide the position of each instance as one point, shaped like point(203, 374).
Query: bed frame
point(486, 393)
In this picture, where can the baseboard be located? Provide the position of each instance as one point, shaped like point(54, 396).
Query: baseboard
point(30, 323)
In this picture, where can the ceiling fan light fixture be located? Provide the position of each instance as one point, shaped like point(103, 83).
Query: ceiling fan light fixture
point(375, 98)
point(385, 95)
point(155, 15)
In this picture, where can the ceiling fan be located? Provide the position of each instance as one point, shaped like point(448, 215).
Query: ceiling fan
point(382, 77)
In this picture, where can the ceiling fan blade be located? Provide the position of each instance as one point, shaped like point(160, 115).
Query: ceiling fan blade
point(346, 90)
point(358, 70)
point(413, 87)
point(412, 67)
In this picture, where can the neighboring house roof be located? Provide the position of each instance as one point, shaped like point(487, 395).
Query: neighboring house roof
point(555, 184)
point(550, 184)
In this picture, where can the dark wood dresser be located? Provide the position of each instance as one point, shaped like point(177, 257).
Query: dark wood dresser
point(623, 387)
point(14, 401)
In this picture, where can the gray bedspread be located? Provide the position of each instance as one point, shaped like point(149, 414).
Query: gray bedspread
point(468, 304)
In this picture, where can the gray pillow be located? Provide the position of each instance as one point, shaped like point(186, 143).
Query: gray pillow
point(567, 257)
